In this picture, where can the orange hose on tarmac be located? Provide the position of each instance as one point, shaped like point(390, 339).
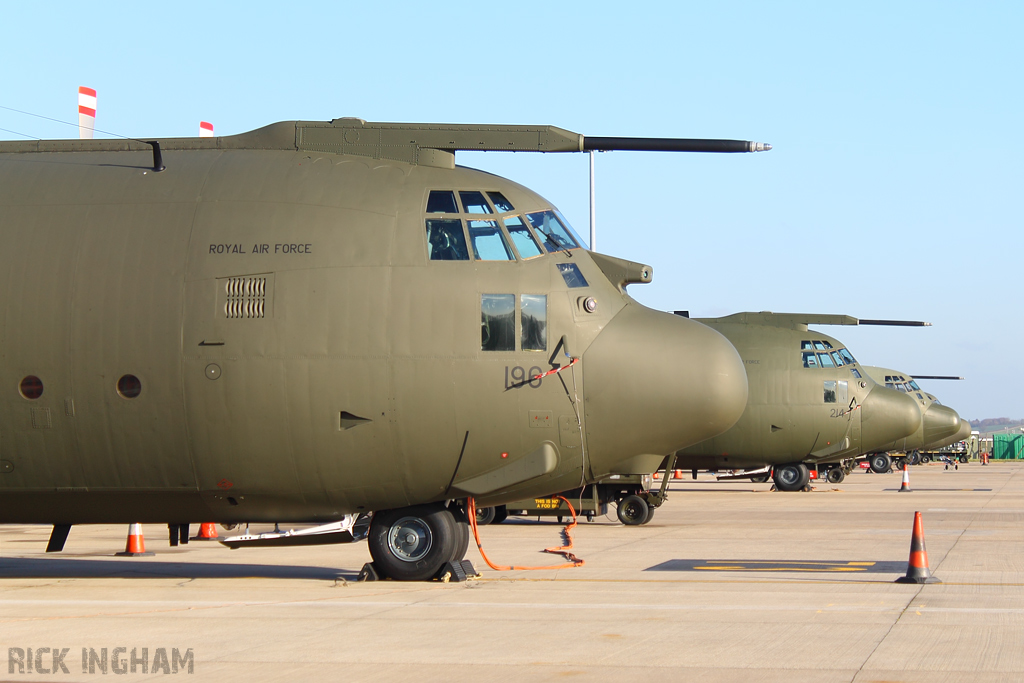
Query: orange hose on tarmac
point(573, 561)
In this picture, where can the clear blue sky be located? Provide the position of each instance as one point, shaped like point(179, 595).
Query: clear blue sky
point(893, 190)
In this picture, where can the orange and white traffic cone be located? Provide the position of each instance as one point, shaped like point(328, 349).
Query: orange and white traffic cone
point(136, 545)
point(917, 567)
point(905, 486)
point(677, 474)
point(207, 532)
point(657, 475)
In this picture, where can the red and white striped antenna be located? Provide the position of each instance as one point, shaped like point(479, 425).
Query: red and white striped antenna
point(205, 129)
point(86, 112)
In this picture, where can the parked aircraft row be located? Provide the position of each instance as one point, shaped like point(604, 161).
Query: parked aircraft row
point(316, 320)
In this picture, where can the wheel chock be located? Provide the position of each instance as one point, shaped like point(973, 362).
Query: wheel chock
point(368, 573)
point(452, 571)
point(471, 572)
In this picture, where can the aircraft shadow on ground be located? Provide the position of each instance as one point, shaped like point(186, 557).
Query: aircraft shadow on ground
point(145, 568)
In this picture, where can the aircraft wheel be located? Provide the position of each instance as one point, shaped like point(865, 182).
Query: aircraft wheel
point(835, 475)
point(963, 459)
point(500, 514)
point(914, 458)
point(792, 477)
point(411, 544)
point(925, 459)
point(462, 533)
point(485, 516)
point(881, 463)
point(650, 515)
point(633, 510)
point(760, 479)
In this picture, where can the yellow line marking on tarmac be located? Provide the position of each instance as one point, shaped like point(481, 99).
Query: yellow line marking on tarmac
point(745, 580)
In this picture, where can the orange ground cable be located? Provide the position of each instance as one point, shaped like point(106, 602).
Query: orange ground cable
point(563, 550)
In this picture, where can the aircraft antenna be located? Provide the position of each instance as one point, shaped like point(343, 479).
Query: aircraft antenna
point(935, 377)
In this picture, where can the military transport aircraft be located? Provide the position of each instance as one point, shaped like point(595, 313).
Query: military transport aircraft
point(940, 426)
point(809, 400)
point(315, 320)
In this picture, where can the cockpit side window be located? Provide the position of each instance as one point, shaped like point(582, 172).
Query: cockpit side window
point(500, 203)
point(806, 345)
point(474, 202)
point(522, 238)
point(838, 359)
point(498, 322)
point(830, 391)
point(920, 396)
point(825, 360)
point(890, 385)
point(446, 241)
point(534, 309)
point(489, 243)
point(855, 373)
point(442, 201)
point(810, 360)
point(914, 386)
point(847, 356)
point(552, 233)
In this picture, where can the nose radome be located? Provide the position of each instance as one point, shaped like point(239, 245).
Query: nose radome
point(889, 416)
point(656, 383)
point(940, 423)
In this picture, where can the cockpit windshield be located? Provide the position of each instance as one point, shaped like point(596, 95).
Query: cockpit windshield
point(914, 385)
point(553, 230)
point(829, 359)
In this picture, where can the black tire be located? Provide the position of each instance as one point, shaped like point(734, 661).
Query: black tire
point(633, 510)
point(835, 475)
point(914, 458)
point(759, 479)
point(925, 459)
point(650, 515)
point(963, 459)
point(485, 516)
point(791, 477)
point(881, 463)
point(412, 544)
point(462, 533)
point(500, 514)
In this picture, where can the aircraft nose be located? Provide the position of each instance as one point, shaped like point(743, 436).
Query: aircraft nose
point(940, 423)
point(656, 383)
point(889, 416)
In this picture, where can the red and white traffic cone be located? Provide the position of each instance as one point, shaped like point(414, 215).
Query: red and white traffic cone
point(657, 475)
point(207, 532)
point(917, 567)
point(136, 545)
point(677, 474)
point(905, 486)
